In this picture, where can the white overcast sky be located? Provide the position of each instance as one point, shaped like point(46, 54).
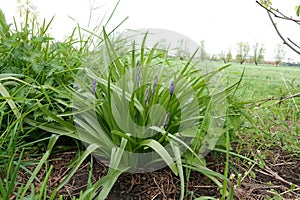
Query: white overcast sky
point(220, 23)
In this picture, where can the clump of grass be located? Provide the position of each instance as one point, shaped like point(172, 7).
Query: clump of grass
point(34, 68)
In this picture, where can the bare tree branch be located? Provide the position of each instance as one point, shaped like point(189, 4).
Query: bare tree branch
point(293, 43)
point(272, 11)
point(286, 17)
point(279, 14)
point(282, 38)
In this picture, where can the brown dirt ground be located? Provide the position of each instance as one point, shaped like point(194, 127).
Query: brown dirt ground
point(280, 171)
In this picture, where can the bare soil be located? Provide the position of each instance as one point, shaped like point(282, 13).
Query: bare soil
point(280, 174)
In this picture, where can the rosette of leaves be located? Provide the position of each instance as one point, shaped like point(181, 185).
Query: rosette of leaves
point(128, 105)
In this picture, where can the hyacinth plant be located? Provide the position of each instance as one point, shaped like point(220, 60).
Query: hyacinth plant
point(137, 110)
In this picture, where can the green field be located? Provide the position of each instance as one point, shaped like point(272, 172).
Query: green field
point(264, 81)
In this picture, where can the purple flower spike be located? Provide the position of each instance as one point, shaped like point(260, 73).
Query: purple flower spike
point(94, 86)
point(167, 119)
point(154, 84)
point(172, 87)
point(138, 77)
point(147, 95)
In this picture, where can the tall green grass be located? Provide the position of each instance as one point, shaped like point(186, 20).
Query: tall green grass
point(271, 96)
point(34, 69)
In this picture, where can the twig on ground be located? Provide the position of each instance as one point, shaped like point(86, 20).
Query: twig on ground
point(280, 100)
point(269, 172)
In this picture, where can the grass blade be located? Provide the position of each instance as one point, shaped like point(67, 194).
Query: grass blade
point(178, 160)
point(91, 148)
point(56, 118)
point(156, 146)
point(52, 141)
point(10, 102)
point(110, 178)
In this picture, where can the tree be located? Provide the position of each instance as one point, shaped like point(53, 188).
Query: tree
point(203, 54)
point(229, 56)
point(222, 56)
point(242, 52)
point(276, 13)
point(279, 54)
point(214, 57)
point(226, 57)
point(258, 51)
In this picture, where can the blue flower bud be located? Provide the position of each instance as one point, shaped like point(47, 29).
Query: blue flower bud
point(94, 86)
point(172, 87)
point(154, 84)
point(167, 119)
point(138, 76)
point(146, 96)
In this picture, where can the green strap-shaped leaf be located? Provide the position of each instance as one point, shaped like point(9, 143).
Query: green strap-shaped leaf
point(56, 118)
point(156, 146)
point(177, 154)
point(43, 160)
point(82, 157)
point(10, 102)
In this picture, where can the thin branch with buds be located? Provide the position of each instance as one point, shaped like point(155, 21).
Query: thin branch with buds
point(282, 38)
point(276, 13)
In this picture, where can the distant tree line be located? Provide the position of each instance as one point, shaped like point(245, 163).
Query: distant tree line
point(245, 53)
point(257, 56)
